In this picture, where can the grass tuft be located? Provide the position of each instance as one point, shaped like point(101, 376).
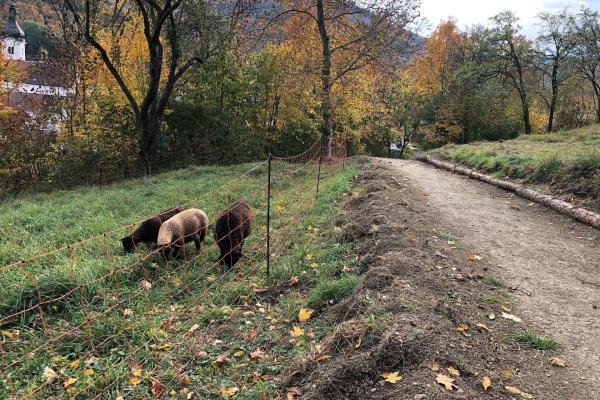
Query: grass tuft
point(533, 340)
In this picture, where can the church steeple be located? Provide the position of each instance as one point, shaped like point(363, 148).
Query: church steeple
point(12, 27)
point(12, 36)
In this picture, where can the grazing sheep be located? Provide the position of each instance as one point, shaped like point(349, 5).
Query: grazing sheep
point(147, 232)
point(232, 226)
point(184, 227)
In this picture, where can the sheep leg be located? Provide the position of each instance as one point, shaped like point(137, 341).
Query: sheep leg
point(176, 249)
point(198, 244)
point(164, 252)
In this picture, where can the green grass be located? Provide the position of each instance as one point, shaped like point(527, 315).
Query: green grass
point(494, 298)
point(445, 236)
point(533, 340)
point(496, 282)
point(192, 307)
point(568, 159)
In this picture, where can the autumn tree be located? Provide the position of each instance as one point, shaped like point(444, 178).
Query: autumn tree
point(554, 46)
point(178, 35)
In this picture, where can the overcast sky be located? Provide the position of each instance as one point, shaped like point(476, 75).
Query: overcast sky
point(469, 12)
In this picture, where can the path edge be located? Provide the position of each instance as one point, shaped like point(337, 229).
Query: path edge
point(582, 215)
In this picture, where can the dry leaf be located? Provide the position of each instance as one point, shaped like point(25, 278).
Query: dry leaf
point(482, 327)
point(49, 375)
point(474, 257)
point(358, 343)
point(12, 335)
point(229, 392)
point(211, 278)
point(435, 367)
point(158, 389)
point(324, 357)
point(162, 346)
point(258, 354)
point(519, 392)
point(257, 289)
point(446, 381)
point(391, 377)
point(222, 360)
point(304, 314)
point(559, 362)
point(511, 317)
point(292, 392)
point(136, 371)
point(186, 380)
point(133, 381)
point(251, 334)
point(462, 328)
point(506, 373)
point(293, 281)
point(69, 382)
point(453, 371)
point(194, 328)
point(146, 285)
point(486, 382)
point(297, 331)
point(177, 281)
point(74, 364)
point(88, 371)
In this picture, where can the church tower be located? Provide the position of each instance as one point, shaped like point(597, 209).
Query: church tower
point(12, 36)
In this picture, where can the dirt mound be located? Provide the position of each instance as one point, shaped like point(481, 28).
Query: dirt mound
point(418, 311)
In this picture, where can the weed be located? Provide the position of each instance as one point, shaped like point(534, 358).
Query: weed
point(496, 282)
point(493, 298)
point(531, 339)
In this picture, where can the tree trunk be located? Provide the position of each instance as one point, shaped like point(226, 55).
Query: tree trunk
point(325, 79)
point(149, 144)
point(526, 121)
point(553, 100)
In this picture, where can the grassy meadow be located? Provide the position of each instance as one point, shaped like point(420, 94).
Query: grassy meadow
point(568, 161)
point(89, 321)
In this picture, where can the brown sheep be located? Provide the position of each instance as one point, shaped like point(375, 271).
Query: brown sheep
point(189, 225)
point(147, 232)
point(232, 227)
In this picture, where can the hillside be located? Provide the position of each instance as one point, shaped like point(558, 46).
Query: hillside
point(566, 163)
point(40, 11)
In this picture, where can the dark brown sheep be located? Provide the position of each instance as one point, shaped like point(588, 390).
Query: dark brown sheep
point(147, 232)
point(232, 226)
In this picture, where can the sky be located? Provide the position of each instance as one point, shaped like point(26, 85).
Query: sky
point(470, 12)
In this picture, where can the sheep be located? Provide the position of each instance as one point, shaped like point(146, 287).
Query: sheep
point(182, 228)
point(147, 232)
point(232, 226)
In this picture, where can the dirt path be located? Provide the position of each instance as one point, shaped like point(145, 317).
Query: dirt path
point(545, 255)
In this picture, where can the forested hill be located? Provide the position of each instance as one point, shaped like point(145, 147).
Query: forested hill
point(40, 11)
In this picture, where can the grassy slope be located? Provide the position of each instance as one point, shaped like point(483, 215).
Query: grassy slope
point(569, 161)
point(150, 327)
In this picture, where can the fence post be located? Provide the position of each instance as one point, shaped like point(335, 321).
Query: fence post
point(320, 162)
point(269, 216)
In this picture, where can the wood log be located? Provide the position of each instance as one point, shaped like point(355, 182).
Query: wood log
point(562, 207)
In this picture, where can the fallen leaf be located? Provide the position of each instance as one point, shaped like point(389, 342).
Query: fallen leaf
point(292, 392)
point(358, 343)
point(229, 392)
point(222, 360)
point(177, 281)
point(162, 346)
point(49, 375)
point(11, 335)
point(517, 391)
point(69, 382)
point(194, 328)
point(482, 327)
point(453, 371)
point(511, 317)
point(251, 334)
point(211, 278)
point(258, 354)
point(146, 285)
point(474, 257)
point(486, 382)
point(304, 314)
point(186, 380)
point(257, 289)
point(91, 360)
point(462, 328)
point(446, 381)
point(136, 371)
point(88, 372)
point(133, 381)
point(559, 362)
point(391, 377)
point(293, 281)
point(506, 373)
point(158, 389)
point(324, 357)
point(74, 364)
point(435, 367)
point(297, 331)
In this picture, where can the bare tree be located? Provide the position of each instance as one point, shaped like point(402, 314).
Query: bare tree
point(586, 34)
point(554, 46)
point(168, 26)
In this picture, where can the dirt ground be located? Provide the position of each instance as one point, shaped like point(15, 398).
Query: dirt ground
point(420, 309)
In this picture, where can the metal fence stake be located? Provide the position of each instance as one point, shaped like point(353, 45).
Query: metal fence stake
point(319, 174)
point(269, 216)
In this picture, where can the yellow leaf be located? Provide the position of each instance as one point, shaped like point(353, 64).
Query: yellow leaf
point(435, 367)
point(462, 328)
point(506, 373)
point(69, 382)
point(186, 380)
point(74, 364)
point(229, 392)
point(559, 362)
point(446, 381)
point(136, 372)
point(391, 377)
point(8, 335)
point(304, 314)
point(486, 382)
point(511, 317)
point(177, 282)
point(517, 391)
point(163, 346)
point(88, 371)
point(134, 381)
point(293, 281)
point(297, 331)
point(324, 357)
point(453, 371)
